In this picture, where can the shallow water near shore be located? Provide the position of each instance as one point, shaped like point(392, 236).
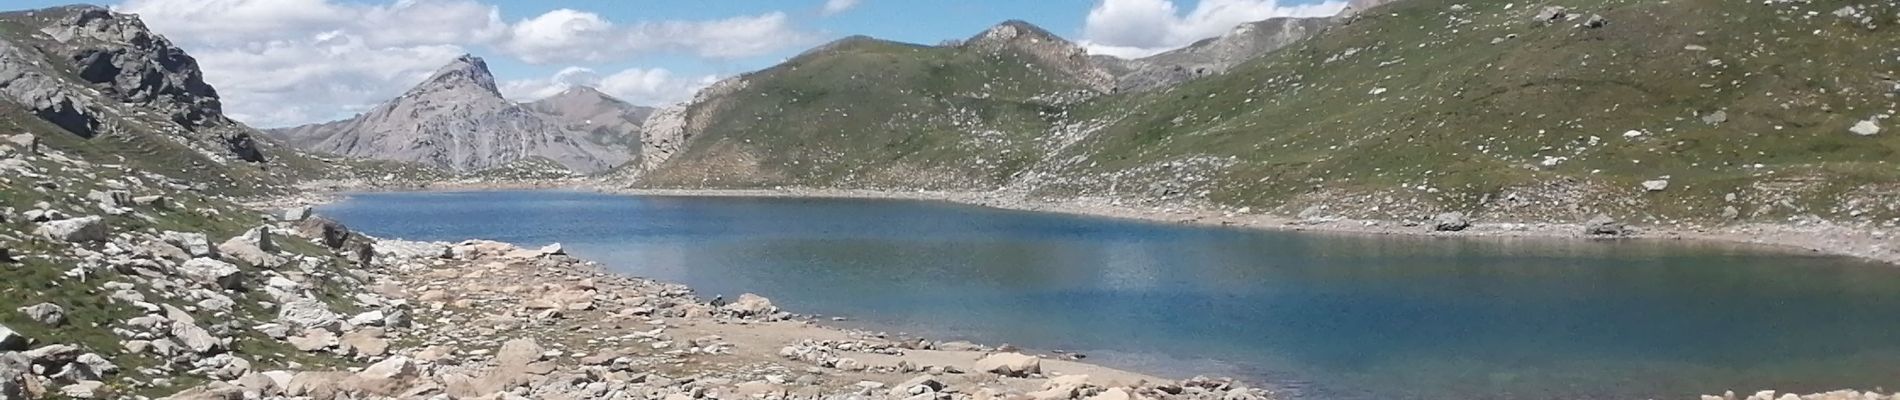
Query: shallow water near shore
point(1314, 315)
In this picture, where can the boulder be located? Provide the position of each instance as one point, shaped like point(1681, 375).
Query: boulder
point(751, 305)
point(407, 250)
point(296, 214)
point(156, 202)
point(211, 391)
point(85, 390)
point(45, 313)
point(12, 341)
point(1010, 364)
point(27, 142)
point(197, 339)
point(306, 313)
point(1113, 394)
point(386, 378)
point(326, 231)
point(365, 343)
point(313, 340)
point(254, 247)
point(84, 229)
point(1602, 225)
point(207, 270)
point(317, 384)
point(16, 377)
point(1656, 185)
point(1867, 127)
point(919, 385)
point(1450, 222)
point(195, 244)
point(519, 352)
point(368, 318)
point(554, 249)
point(1550, 14)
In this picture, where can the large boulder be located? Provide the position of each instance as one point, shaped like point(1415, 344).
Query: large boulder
point(45, 313)
point(84, 229)
point(12, 341)
point(27, 142)
point(295, 214)
point(386, 378)
point(330, 233)
point(408, 250)
point(1450, 222)
point(195, 244)
point(211, 391)
point(305, 313)
point(254, 247)
point(197, 339)
point(1603, 225)
point(519, 352)
point(1010, 364)
point(206, 270)
point(16, 377)
point(751, 305)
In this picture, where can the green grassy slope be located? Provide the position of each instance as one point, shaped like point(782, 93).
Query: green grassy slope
point(1413, 108)
point(1418, 107)
point(869, 113)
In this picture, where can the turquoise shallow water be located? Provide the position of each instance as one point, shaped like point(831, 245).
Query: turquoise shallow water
point(1315, 315)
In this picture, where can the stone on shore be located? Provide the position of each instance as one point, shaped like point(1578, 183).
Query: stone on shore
point(751, 305)
point(1450, 222)
point(1603, 225)
point(1010, 364)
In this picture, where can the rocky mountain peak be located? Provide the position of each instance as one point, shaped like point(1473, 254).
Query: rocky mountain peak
point(1013, 31)
point(1051, 50)
point(580, 94)
point(464, 73)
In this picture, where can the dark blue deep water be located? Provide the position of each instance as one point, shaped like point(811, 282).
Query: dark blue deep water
point(1315, 315)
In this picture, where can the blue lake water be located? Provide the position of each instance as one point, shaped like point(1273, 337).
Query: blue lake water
point(1313, 315)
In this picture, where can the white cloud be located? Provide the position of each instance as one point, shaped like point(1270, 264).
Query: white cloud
point(1139, 28)
point(641, 86)
point(287, 62)
point(571, 36)
point(833, 7)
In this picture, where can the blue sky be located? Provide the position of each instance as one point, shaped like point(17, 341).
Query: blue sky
point(287, 62)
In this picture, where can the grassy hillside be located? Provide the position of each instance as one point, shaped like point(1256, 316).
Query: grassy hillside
point(1432, 104)
point(1421, 106)
point(870, 113)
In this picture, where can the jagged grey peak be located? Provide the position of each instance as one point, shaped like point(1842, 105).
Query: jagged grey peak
point(1216, 55)
point(111, 60)
point(456, 119)
point(1051, 50)
point(601, 118)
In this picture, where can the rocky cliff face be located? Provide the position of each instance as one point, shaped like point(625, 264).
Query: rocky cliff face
point(457, 120)
point(85, 69)
point(1216, 55)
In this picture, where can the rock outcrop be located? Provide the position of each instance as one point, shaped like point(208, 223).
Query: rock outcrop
point(456, 119)
point(92, 72)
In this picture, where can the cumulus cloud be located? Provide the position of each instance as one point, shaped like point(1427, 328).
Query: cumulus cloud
point(641, 86)
point(287, 62)
point(569, 36)
point(1139, 28)
point(833, 7)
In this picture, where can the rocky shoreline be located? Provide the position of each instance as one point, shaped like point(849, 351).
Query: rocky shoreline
point(1814, 237)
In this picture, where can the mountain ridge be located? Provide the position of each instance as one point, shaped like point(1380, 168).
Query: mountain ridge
point(457, 119)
